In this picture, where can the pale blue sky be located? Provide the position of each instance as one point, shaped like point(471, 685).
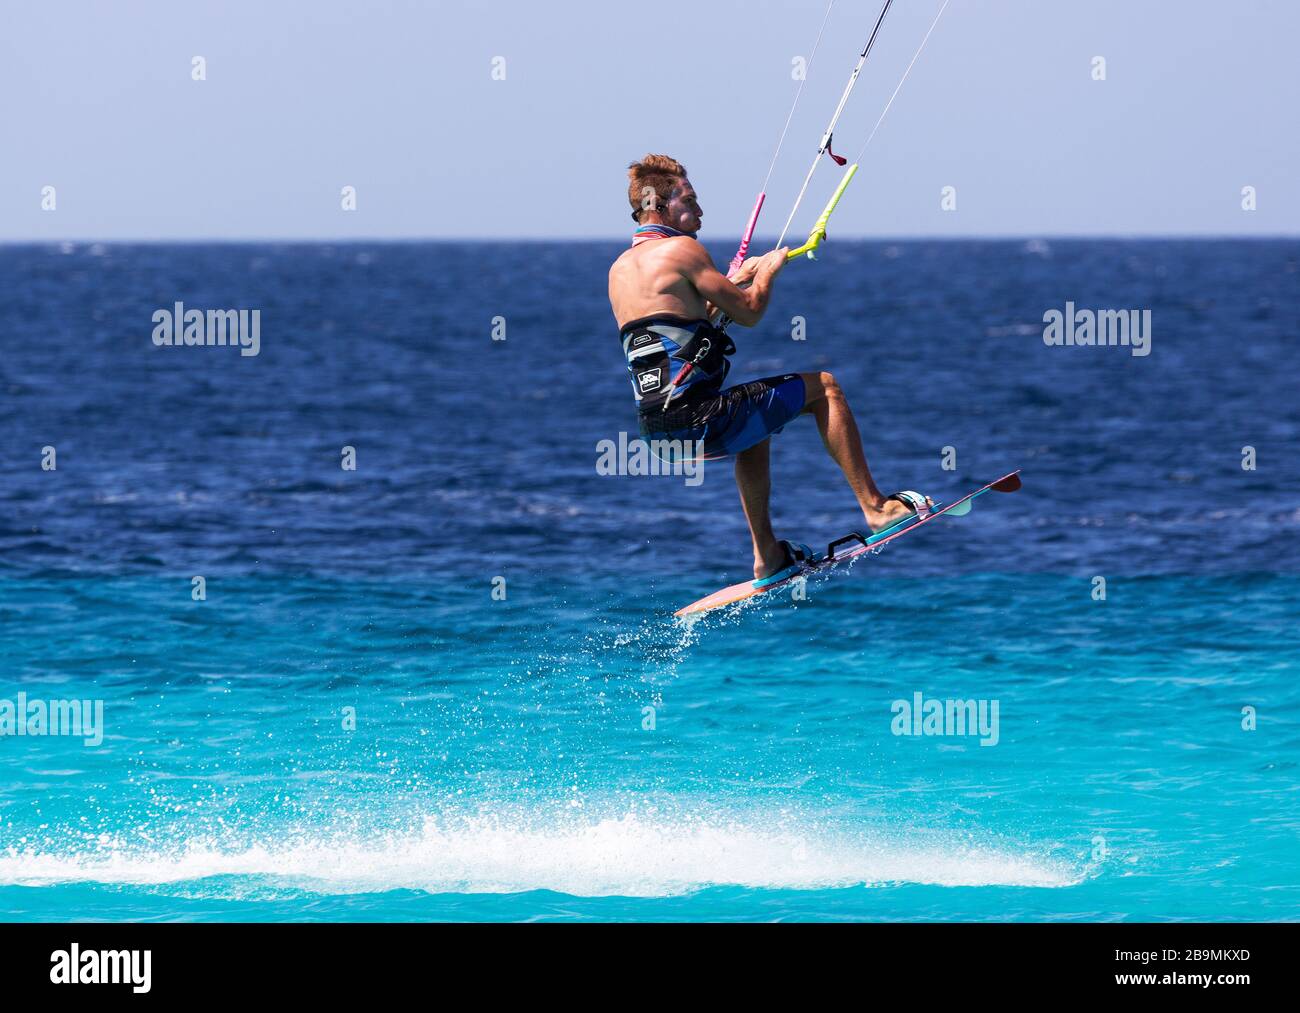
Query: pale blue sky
point(397, 99)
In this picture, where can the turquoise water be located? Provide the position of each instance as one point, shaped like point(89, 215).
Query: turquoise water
point(352, 726)
point(518, 780)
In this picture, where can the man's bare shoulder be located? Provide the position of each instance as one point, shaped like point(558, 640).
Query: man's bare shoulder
point(620, 261)
point(687, 247)
point(677, 251)
point(682, 253)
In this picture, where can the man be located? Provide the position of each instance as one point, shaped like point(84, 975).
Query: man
point(663, 291)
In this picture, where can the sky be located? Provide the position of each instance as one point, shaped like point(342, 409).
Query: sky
point(517, 119)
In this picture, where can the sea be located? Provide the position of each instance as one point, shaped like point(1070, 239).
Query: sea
point(356, 628)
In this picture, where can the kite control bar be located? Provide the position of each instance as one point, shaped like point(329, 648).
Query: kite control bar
point(818, 233)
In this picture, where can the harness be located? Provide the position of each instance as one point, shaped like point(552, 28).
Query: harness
point(672, 359)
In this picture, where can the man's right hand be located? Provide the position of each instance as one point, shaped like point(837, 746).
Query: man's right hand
point(774, 261)
point(743, 305)
point(746, 271)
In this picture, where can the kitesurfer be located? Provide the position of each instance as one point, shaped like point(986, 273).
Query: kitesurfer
point(663, 291)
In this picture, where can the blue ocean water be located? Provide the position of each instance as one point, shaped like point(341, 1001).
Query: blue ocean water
point(353, 726)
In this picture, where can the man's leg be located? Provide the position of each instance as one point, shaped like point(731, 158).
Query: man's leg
point(754, 480)
point(825, 402)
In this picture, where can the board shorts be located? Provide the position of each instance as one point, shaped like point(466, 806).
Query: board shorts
point(729, 421)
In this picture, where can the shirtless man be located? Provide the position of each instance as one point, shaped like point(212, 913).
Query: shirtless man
point(663, 291)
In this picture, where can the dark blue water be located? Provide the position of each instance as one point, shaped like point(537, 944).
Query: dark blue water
point(352, 725)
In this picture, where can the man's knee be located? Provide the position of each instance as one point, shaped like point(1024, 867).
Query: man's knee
point(819, 387)
point(830, 386)
point(818, 383)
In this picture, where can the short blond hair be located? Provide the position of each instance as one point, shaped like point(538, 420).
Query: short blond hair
point(654, 172)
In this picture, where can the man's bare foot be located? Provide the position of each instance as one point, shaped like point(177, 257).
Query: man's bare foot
point(769, 561)
point(889, 511)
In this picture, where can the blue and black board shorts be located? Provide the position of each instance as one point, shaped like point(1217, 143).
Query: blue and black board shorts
point(729, 421)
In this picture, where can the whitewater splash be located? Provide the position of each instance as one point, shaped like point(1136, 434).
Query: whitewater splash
point(632, 855)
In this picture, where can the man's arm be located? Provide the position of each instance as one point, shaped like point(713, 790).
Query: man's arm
point(745, 306)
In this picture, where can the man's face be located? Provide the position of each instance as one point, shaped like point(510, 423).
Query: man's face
point(684, 212)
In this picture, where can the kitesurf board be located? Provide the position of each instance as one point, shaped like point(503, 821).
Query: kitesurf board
point(830, 558)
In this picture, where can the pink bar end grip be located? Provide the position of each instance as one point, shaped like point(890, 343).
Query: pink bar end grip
point(739, 258)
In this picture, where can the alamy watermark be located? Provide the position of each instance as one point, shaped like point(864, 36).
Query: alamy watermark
point(1128, 328)
point(646, 456)
point(80, 718)
point(919, 716)
point(178, 326)
point(75, 966)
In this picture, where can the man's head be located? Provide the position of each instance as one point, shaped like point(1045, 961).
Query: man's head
point(660, 194)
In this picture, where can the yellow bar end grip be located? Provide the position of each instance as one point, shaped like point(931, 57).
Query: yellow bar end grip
point(818, 232)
